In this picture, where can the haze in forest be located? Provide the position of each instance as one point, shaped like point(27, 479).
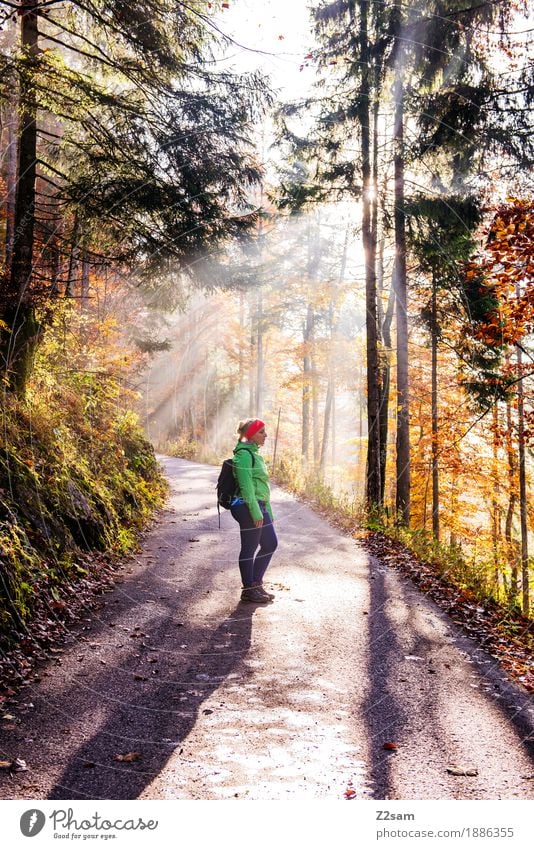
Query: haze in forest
point(323, 219)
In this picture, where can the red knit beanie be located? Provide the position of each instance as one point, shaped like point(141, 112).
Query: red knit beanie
point(254, 428)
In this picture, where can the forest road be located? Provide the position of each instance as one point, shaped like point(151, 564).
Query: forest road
point(293, 700)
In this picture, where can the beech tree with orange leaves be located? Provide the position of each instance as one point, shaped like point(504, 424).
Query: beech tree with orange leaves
point(499, 288)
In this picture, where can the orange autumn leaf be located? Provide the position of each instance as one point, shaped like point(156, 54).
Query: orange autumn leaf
point(129, 757)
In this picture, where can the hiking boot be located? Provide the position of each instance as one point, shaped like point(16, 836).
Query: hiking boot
point(255, 595)
point(262, 589)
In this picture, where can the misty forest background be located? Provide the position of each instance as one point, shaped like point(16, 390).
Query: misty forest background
point(180, 249)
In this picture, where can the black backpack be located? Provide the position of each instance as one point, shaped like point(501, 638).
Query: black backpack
point(226, 483)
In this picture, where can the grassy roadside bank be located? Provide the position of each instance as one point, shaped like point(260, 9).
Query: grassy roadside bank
point(78, 483)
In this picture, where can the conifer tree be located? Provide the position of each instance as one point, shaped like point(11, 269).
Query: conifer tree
point(152, 148)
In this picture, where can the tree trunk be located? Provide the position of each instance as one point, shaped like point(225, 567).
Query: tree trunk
point(11, 180)
point(55, 249)
point(315, 406)
point(241, 351)
point(522, 487)
point(333, 421)
point(373, 484)
point(192, 421)
point(384, 322)
point(252, 369)
point(330, 384)
point(403, 412)
point(453, 507)
point(495, 507)
point(260, 378)
point(85, 277)
point(306, 386)
point(18, 342)
point(511, 546)
point(10, 141)
point(205, 406)
point(329, 413)
point(435, 423)
point(326, 420)
point(72, 278)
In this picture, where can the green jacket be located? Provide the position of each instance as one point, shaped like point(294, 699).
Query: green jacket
point(252, 480)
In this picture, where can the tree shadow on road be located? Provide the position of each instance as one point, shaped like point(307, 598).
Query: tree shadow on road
point(383, 714)
point(403, 708)
point(152, 716)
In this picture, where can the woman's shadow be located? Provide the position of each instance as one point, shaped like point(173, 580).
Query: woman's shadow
point(154, 713)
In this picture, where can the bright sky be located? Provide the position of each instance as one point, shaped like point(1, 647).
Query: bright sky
point(280, 29)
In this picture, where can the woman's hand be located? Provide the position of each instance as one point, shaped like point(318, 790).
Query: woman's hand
point(258, 523)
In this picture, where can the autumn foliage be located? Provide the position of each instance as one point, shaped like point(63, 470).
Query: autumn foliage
point(503, 273)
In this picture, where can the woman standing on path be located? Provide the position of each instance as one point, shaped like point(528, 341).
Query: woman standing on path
point(251, 508)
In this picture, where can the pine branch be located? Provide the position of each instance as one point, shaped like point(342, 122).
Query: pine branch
point(31, 7)
point(51, 168)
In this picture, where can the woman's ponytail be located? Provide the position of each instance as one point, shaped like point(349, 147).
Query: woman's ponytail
point(243, 427)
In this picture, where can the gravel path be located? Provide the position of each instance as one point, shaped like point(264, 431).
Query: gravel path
point(293, 700)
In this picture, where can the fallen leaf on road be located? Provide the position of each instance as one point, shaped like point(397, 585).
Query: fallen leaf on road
point(129, 757)
point(390, 747)
point(8, 716)
point(350, 793)
point(460, 770)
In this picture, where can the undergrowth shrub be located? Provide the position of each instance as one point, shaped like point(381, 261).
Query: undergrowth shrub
point(76, 472)
point(189, 449)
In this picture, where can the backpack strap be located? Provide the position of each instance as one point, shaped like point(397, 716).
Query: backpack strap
point(244, 448)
